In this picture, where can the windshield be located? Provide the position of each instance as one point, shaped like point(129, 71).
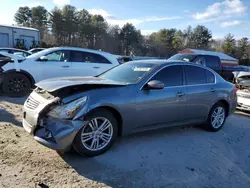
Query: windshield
point(129, 72)
point(39, 54)
point(183, 57)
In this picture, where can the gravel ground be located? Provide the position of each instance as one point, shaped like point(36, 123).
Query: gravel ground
point(173, 157)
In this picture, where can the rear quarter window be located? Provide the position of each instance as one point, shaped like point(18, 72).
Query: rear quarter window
point(210, 77)
point(195, 75)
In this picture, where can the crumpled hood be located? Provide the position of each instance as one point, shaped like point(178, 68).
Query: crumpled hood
point(54, 84)
point(243, 74)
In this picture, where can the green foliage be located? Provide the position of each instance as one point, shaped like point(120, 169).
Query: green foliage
point(229, 46)
point(73, 27)
point(23, 16)
point(39, 19)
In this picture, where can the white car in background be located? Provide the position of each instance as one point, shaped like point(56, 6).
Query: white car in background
point(243, 93)
point(17, 78)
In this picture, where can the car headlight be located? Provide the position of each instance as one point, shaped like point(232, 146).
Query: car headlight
point(69, 110)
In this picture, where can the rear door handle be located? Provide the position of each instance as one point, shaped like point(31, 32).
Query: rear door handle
point(96, 67)
point(65, 66)
point(180, 94)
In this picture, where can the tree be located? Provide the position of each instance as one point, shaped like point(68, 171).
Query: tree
point(73, 27)
point(216, 45)
point(178, 41)
point(243, 44)
point(99, 28)
point(201, 37)
point(187, 35)
point(114, 39)
point(23, 16)
point(229, 45)
point(70, 23)
point(84, 27)
point(129, 38)
point(57, 25)
point(39, 19)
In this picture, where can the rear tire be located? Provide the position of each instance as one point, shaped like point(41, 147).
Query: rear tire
point(216, 117)
point(16, 85)
point(91, 133)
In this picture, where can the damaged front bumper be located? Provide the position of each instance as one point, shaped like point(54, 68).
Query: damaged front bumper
point(243, 100)
point(54, 133)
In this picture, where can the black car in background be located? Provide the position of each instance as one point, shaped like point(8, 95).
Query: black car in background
point(35, 50)
point(211, 61)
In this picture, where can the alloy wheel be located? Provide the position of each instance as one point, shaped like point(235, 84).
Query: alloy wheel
point(218, 117)
point(17, 85)
point(97, 134)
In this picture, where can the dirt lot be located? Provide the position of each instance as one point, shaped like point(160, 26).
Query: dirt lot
point(176, 157)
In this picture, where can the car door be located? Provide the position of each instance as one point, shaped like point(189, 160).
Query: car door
point(201, 92)
point(88, 64)
point(53, 64)
point(164, 105)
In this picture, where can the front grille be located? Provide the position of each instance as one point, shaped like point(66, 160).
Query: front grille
point(32, 103)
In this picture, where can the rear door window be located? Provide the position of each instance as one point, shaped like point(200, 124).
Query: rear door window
point(87, 57)
point(77, 56)
point(170, 76)
point(195, 75)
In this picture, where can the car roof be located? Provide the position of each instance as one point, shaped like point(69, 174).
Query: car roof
point(159, 61)
point(81, 49)
point(163, 63)
point(37, 49)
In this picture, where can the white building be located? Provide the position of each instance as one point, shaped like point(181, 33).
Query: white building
point(10, 35)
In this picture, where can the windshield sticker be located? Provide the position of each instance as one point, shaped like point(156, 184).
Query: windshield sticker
point(141, 69)
point(185, 59)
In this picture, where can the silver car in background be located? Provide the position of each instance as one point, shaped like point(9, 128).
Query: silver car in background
point(243, 92)
point(89, 113)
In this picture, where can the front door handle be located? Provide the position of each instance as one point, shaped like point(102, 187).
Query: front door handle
point(96, 67)
point(180, 94)
point(212, 90)
point(65, 66)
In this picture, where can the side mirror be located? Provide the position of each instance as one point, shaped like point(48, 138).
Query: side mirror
point(155, 84)
point(43, 58)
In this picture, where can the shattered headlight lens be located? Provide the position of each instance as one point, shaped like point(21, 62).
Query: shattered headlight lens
point(67, 111)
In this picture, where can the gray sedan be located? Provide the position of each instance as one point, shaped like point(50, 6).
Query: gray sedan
point(89, 113)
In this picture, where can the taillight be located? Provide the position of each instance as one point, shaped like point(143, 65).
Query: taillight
point(235, 89)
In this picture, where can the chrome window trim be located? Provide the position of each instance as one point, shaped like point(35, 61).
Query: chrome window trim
point(184, 84)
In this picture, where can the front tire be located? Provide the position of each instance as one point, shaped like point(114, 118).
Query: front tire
point(16, 85)
point(97, 136)
point(216, 117)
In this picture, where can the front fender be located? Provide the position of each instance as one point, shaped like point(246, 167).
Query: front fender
point(88, 108)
